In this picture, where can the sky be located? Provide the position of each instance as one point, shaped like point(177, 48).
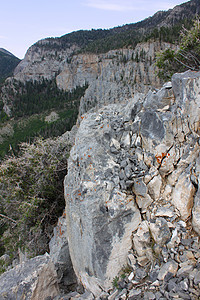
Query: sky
point(23, 23)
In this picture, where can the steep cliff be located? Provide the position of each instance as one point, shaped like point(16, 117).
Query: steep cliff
point(133, 166)
point(111, 77)
point(132, 204)
point(122, 74)
point(106, 78)
point(83, 56)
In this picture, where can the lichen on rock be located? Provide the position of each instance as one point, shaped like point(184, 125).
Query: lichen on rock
point(127, 159)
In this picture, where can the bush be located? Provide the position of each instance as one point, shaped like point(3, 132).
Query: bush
point(187, 55)
point(31, 195)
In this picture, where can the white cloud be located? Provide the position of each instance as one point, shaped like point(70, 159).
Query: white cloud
point(110, 5)
point(131, 5)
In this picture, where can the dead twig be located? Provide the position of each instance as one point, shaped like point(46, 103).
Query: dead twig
point(6, 217)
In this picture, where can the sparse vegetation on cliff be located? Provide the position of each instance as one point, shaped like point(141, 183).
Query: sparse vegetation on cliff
point(33, 101)
point(187, 56)
point(164, 25)
point(31, 195)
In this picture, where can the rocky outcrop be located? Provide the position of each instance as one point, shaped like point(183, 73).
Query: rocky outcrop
point(59, 253)
point(122, 74)
point(132, 204)
point(35, 279)
point(43, 60)
point(133, 169)
point(112, 77)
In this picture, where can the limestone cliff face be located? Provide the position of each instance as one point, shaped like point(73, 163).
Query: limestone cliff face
point(114, 76)
point(42, 62)
point(111, 77)
point(132, 165)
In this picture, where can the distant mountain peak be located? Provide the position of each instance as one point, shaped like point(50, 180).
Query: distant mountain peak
point(6, 52)
point(8, 63)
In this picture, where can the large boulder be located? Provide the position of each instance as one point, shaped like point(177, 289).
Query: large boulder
point(100, 216)
point(34, 279)
point(126, 158)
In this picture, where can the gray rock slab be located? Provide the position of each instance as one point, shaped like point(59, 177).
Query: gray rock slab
point(151, 126)
point(59, 253)
point(160, 231)
point(100, 216)
point(133, 294)
point(34, 279)
point(169, 267)
point(197, 278)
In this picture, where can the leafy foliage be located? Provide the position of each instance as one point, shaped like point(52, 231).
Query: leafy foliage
point(31, 195)
point(187, 56)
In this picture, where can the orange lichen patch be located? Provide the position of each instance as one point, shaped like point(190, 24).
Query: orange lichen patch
point(79, 194)
point(82, 117)
point(107, 125)
point(159, 158)
point(129, 200)
point(102, 126)
point(137, 182)
point(64, 214)
point(61, 231)
point(89, 155)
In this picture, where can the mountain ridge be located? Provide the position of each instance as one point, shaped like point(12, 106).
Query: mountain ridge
point(8, 63)
point(6, 52)
point(171, 17)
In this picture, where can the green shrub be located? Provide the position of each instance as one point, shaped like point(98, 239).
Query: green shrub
point(187, 55)
point(31, 195)
point(115, 282)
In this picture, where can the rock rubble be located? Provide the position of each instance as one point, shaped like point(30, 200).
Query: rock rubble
point(132, 173)
point(170, 271)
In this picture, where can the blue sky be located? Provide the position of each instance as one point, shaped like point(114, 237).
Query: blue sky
point(22, 22)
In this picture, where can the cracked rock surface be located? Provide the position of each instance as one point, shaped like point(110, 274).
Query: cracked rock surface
point(132, 187)
point(132, 202)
